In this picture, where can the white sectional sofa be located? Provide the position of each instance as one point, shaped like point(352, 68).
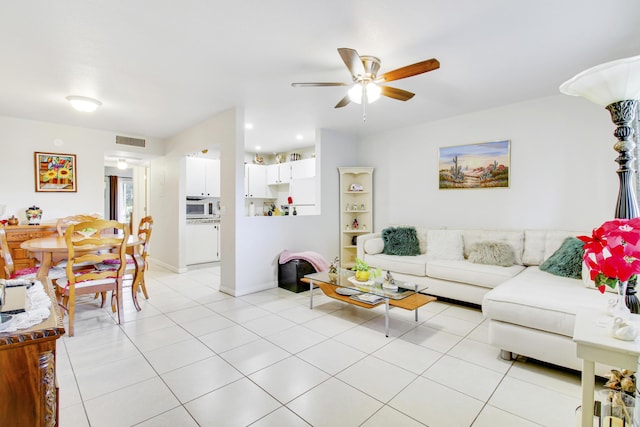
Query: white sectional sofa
point(530, 312)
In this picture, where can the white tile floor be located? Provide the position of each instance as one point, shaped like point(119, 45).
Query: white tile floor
point(197, 357)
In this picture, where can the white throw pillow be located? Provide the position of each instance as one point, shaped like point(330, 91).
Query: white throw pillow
point(374, 246)
point(445, 244)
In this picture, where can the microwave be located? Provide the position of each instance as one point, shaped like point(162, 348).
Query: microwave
point(199, 209)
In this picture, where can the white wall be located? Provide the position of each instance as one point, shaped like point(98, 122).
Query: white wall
point(563, 174)
point(21, 138)
point(261, 239)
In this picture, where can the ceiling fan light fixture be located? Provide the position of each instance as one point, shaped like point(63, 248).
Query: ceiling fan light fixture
point(373, 92)
point(355, 93)
point(84, 104)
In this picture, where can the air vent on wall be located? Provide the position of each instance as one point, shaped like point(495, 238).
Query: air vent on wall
point(126, 140)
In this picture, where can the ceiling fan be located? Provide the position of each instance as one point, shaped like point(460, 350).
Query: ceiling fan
point(366, 87)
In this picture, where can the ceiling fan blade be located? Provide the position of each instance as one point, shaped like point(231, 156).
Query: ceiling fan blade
point(410, 70)
point(343, 102)
point(352, 61)
point(318, 84)
point(395, 93)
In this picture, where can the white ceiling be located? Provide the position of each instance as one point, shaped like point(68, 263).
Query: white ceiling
point(160, 66)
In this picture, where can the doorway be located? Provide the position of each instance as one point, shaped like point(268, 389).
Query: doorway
point(118, 194)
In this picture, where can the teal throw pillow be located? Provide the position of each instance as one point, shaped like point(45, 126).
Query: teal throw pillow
point(400, 241)
point(567, 260)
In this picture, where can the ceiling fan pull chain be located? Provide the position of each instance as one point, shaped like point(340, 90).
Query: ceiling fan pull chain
point(364, 106)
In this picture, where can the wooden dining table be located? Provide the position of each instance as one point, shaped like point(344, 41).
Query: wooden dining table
point(55, 247)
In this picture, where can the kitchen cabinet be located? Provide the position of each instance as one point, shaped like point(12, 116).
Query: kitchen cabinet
point(203, 243)
point(303, 191)
point(283, 173)
point(255, 181)
point(279, 173)
point(305, 168)
point(356, 210)
point(203, 177)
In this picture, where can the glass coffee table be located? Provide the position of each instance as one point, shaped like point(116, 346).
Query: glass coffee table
point(369, 294)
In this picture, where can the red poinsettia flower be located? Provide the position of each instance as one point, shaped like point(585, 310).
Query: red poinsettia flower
point(612, 252)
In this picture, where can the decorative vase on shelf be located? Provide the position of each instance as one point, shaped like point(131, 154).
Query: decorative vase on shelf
point(620, 308)
point(34, 214)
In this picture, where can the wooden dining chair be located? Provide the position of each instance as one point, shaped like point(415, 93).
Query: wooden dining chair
point(141, 252)
point(10, 271)
point(98, 248)
point(144, 233)
point(63, 223)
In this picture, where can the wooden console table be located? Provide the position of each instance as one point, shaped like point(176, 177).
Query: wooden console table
point(28, 386)
point(16, 234)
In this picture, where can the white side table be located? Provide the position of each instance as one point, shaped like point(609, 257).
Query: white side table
point(594, 344)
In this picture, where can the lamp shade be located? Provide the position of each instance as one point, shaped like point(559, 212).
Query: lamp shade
point(606, 83)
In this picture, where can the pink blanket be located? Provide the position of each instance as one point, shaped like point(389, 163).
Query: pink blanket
point(313, 258)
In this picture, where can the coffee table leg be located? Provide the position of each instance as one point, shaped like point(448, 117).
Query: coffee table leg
point(311, 294)
point(386, 317)
point(416, 311)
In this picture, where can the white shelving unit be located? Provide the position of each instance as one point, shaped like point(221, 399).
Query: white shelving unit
point(356, 210)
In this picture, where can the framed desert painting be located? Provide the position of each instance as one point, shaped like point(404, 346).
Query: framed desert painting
point(482, 165)
point(56, 172)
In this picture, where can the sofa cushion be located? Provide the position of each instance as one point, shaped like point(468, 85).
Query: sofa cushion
point(374, 246)
point(539, 300)
point(414, 265)
point(567, 260)
point(492, 253)
point(541, 244)
point(487, 276)
point(400, 241)
point(513, 238)
point(445, 244)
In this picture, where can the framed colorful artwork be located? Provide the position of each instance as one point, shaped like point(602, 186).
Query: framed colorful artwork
point(56, 172)
point(483, 165)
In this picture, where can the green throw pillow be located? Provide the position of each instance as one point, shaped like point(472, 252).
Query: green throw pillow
point(567, 260)
point(401, 241)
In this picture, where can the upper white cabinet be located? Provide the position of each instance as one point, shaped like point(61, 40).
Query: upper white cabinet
point(203, 177)
point(305, 168)
point(279, 173)
point(255, 181)
point(212, 177)
point(283, 173)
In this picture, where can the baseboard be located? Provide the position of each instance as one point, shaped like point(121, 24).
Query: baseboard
point(169, 267)
point(257, 288)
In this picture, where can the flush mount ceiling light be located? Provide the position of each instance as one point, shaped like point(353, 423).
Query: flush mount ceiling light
point(84, 104)
point(122, 164)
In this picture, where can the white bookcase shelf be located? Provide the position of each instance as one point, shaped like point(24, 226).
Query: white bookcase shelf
point(361, 177)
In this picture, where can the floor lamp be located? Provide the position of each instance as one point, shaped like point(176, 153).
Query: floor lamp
point(616, 86)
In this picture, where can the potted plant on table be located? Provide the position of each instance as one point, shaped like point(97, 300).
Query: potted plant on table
point(364, 272)
point(612, 255)
point(333, 269)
